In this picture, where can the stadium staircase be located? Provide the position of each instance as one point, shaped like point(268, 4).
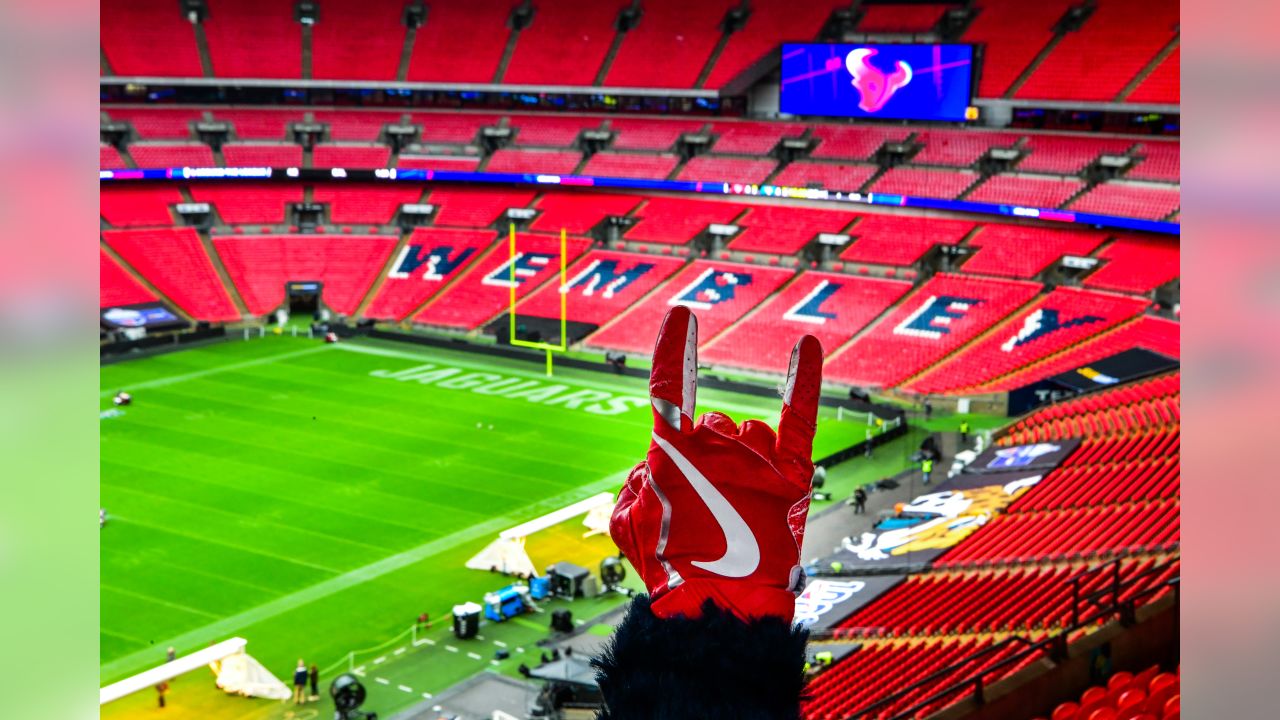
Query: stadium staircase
point(1059, 33)
point(307, 35)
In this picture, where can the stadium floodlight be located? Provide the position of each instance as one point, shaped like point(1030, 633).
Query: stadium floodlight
point(550, 348)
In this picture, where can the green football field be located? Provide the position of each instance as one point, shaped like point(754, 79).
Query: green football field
point(314, 499)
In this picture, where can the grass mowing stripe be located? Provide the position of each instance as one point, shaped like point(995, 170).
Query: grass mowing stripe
point(160, 601)
point(247, 515)
point(191, 570)
point(225, 626)
point(257, 494)
point(122, 636)
point(253, 551)
point(452, 409)
point(307, 466)
point(172, 379)
point(418, 440)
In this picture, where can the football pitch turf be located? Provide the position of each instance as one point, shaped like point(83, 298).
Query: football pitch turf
point(314, 499)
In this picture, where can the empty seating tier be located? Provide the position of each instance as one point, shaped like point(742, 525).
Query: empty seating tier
point(255, 124)
point(427, 262)
point(109, 158)
point(461, 42)
point(174, 261)
point(1163, 85)
point(577, 213)
point(1025, 190)
point(439, 162)
point(356, 39)
point(631, 165)
point(707, 168)
point(831, 307)
point(960, 148)
point(1016, 251)
point(719, 292)
point(676, 221)
point(669, 46)
point(567, 40)
point(345, 265)
point(457, 128)
point(253, 39)
point(1064, 317)
point(1129, 200)
point(116, 287)
point(827, 175)
point(751, 138)
point(924, 182)
point(250, 202)
point(1068, 154)
point(601, 286)
point(784, 230)
point(646, 134)
point(361, 203)
point(356, 125)
point(171, 155)
point(558, 162)
point(262, 155)
point(484, 290)
point(158, 123)
point(1071, 534)
point(477, 208)
point(901, 240)
point(551, 130)
point(1155, 334)
point(370, 157)
point(1160, 161)
point(1149, 695)
point(939, 317)
point(1013, 33)
point(850, 142)
point(1136, 265)
point(770, 22)
point(1108, 51)
point(138, 205)
point(876, 671)
point(149, 38)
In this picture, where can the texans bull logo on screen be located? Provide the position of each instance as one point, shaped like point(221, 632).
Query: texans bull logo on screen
point(875, 87)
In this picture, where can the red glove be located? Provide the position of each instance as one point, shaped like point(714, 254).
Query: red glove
point(717, 511)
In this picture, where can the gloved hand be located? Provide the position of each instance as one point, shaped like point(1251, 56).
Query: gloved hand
point(717, 511)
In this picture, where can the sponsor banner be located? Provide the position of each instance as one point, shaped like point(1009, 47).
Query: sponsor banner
point(1119, 368)
point(1034, 456)
point(934, 522)
point(152, 316)
point(827, 601)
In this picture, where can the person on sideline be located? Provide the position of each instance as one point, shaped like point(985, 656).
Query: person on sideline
point(300, 683)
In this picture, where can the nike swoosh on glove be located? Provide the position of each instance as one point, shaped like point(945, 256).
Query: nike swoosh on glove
point(717, 510)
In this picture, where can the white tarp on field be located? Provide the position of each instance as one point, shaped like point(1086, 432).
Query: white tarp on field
point(242, 675)
point(507, 555)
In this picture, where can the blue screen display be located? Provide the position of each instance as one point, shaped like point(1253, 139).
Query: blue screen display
point(139, 316)
point(908, 82)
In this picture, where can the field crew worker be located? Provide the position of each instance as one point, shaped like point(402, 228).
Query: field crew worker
point(926, 467)
point(964, 431)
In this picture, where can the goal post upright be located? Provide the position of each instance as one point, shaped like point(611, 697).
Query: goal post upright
point(564, 299)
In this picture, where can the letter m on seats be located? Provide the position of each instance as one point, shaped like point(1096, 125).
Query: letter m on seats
point(603, 277)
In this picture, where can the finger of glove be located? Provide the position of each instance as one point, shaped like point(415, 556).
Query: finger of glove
point(800, 395)
point(719, 422)
point(757, 435)
point(673, 380)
